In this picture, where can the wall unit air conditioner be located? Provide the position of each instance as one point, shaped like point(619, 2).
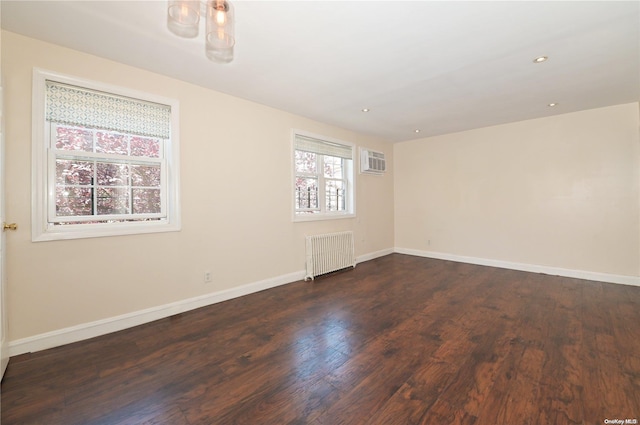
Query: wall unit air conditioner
point(372, 162)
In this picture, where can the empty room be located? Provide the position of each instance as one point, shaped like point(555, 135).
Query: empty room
point(320, 212)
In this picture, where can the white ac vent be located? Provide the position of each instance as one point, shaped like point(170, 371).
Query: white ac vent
point(372, 162)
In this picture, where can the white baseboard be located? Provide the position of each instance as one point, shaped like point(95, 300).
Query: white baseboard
point(374, 255)
point(554, 271)
point(117, 323)
point(124, 321)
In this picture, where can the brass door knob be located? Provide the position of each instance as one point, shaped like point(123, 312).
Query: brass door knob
point(11, 226)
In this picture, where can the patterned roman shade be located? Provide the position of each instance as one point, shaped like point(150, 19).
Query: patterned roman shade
point(71, 105)
point(323, 147)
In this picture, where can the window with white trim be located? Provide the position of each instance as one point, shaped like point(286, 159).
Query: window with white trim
point(323, 178)
point(105, 160)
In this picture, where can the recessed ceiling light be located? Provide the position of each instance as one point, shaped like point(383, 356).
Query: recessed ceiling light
point(552, 104)
point(365, 109)
point(417, 130)
point(540, 59)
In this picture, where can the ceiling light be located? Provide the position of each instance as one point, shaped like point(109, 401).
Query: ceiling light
point(552, 104)
point(365, 109)
point(417, 130)
point(540, 59)
point(183, 19)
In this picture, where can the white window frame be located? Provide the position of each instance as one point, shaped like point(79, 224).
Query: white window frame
point(43, 169)
point(349, 171)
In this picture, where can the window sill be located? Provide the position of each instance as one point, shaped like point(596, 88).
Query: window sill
point(99, 231)
point(320, 217)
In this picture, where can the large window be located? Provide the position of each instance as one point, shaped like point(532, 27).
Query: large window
point(323, 178)
point(105, 160)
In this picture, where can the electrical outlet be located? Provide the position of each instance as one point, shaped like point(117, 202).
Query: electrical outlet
point(207, 277)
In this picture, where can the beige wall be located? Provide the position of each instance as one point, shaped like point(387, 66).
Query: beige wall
point(558, 192)
point(227, 145)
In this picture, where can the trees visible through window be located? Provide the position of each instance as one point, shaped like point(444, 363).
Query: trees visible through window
point(323, 185)
point(123, 183)
point(105, 161)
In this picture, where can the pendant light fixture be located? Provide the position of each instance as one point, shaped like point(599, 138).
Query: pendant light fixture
point(220, 38)
point(183, 19)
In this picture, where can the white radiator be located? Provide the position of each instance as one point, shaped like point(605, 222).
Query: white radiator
point(328, 253)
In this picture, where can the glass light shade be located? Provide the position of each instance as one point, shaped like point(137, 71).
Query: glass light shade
point(220, 31)
point(183, 17)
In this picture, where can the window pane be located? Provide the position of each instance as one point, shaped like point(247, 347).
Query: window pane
point(306, 195)
point(112, 174)
point(144, 146)
point(143, 175)
point(146, 201)
point(102, 158)
point(74, 139)
point(306, 162)
point(72, 172)
point(333, 167)
point(112, 200)
point(73, 201)
point(335, 193)
point(107, 142)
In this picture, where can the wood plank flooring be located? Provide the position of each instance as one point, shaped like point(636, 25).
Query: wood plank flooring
point(398, 340)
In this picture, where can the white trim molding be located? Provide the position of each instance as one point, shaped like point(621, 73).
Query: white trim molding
point(43, 212)
point(129, 320)
point(373, 255)
point(117, 323)
point(324, 145)
point(554, 271)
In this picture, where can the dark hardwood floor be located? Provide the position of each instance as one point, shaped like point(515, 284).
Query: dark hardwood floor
point(398, 340)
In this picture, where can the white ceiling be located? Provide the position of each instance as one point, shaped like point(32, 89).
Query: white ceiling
point(440, 67)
